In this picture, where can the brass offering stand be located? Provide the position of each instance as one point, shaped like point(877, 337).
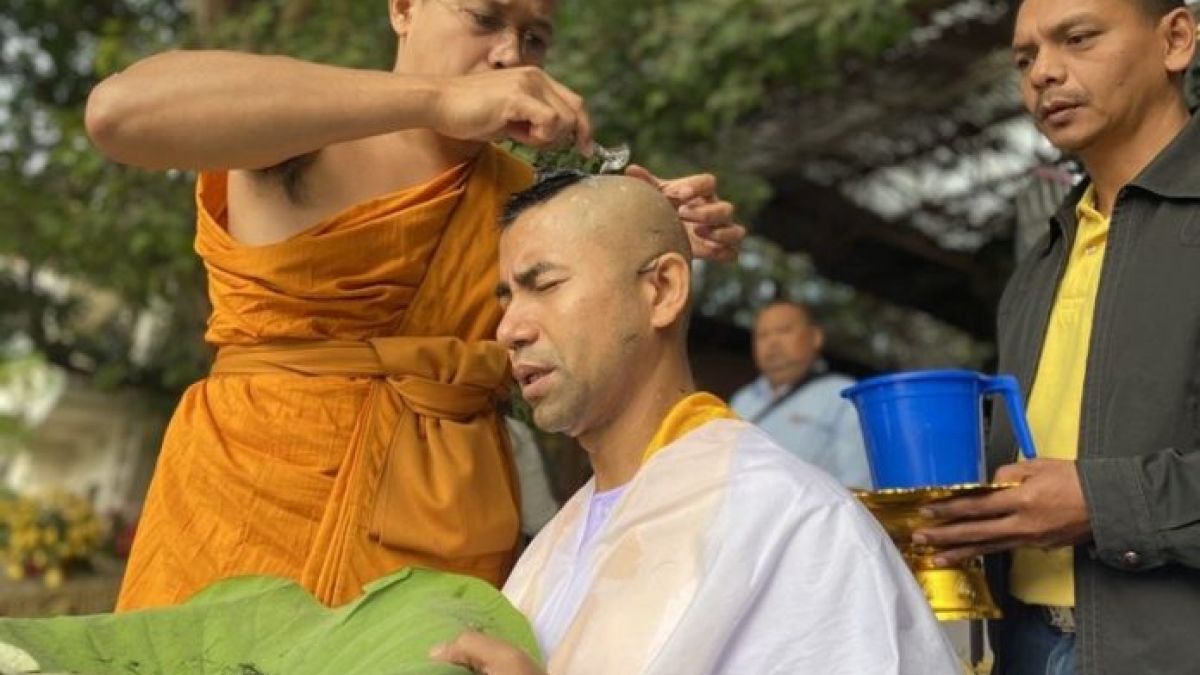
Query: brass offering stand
point(956, 593)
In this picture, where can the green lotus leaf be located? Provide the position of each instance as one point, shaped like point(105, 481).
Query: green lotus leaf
point(272, 626)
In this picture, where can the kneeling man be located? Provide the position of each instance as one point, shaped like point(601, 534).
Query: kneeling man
point(700, 546)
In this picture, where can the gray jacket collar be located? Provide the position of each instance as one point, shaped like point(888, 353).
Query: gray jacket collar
point(1173, 174)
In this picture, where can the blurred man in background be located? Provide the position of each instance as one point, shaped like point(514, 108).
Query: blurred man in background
point(796, 398)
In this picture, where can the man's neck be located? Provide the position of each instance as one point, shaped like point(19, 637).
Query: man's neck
point(1113, 165)
point(781, 387)
point(425, 155)
point(616, 447)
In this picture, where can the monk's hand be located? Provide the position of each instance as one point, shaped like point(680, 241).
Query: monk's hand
point(485, 655)
point(1046, 510)
point(711, 228)
point(524, 104)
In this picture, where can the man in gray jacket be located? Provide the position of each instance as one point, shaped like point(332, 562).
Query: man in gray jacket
point(1098, 549)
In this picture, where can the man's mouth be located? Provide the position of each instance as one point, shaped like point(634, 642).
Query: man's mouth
point(528, 376)
point(1057, 110)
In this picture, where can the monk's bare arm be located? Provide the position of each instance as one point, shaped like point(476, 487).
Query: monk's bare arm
point(227, 110)
point(230, 110)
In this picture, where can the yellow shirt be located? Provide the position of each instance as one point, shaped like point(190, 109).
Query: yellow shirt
point(1048, 577)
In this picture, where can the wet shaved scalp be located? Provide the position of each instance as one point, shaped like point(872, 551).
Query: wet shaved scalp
point(629, 214)
point(1156, 9)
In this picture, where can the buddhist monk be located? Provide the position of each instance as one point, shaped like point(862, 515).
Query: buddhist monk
point(346, 220)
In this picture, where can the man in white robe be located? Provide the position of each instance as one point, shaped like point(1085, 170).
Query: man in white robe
point(700, 546)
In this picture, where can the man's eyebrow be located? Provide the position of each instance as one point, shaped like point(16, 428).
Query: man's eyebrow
point(1058, 30)
point(526, 278)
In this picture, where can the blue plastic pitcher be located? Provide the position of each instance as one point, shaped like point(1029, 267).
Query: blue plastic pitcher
point(925, 428)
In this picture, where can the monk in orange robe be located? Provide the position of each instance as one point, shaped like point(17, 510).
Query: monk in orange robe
point(347, 223)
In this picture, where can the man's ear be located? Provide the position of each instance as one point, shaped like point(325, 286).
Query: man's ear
point(400, 13)
point(818, 338)
point(671, 280)
point(1178, 31)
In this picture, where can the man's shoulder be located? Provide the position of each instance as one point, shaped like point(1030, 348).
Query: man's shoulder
point(748, 399)
point(831, 382)
point(760, 460)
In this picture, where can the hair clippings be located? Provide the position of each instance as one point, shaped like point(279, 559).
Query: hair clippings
point(603, 160)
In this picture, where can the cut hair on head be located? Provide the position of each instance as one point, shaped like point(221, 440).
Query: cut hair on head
point(542, 191)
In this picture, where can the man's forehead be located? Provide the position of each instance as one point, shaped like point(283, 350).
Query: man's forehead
point(565, 217)
point(781, 314)
point(530, 241)
point(1034, 16)
point(543, 9)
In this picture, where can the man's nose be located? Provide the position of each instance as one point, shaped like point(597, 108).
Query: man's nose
point(1047, 70)
point(506, 52)
point(515, 331)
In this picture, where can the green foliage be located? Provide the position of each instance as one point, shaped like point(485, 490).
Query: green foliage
point(673, 78)
point(272, 626)
point(96, 227)
point(22, 376)
point(859, 328)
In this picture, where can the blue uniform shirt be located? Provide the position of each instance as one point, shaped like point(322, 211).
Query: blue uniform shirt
point(815, 424)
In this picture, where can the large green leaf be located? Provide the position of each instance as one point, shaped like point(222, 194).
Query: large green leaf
point(271, 626)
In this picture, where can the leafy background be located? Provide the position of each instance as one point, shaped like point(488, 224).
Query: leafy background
point(96, 267)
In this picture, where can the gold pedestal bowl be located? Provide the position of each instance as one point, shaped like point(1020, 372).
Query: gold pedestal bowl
point(955, 593)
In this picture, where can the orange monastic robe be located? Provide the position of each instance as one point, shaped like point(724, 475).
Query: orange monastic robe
point(348, 427)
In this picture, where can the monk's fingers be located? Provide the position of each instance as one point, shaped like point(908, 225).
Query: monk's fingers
point(704, 249)
point(575, 108)
point(730, 234)
point(681, 190)
point(571, 115)
point(711, 214)
point(538, 124)
point(642, 173)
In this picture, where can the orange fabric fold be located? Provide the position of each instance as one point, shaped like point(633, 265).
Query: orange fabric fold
point(348, 427)
point(692, 412)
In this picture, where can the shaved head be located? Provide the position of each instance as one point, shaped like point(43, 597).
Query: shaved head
point(629, 214)
point(595, 278)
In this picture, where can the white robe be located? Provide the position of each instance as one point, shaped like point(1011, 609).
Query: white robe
point(727, 554)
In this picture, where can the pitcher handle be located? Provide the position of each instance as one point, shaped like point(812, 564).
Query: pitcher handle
point(1010, 392)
